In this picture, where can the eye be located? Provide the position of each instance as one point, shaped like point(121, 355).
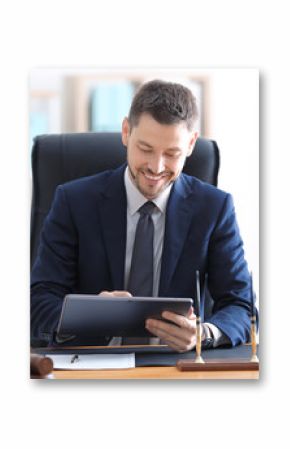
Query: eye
point(172, 155)
point(145, 149)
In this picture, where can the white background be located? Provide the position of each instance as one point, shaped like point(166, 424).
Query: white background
point(137, 414)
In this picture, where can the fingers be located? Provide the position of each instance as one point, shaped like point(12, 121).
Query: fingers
point(115, 293)
point(186, 322)
point(190, 313)
point(179, 336)
point(121, 293)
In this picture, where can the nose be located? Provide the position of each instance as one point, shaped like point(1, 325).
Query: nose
point(157, 165)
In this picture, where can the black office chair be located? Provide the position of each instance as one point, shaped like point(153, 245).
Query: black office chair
point(58, 158)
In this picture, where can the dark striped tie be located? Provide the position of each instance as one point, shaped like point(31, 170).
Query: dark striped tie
point(141, 273)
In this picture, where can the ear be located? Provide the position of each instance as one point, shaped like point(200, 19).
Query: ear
point(125, 131)
point(192, 142)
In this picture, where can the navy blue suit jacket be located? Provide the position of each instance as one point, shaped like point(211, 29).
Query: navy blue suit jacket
point(82, 250)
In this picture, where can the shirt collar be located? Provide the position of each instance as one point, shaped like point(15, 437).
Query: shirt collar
point(135, 199)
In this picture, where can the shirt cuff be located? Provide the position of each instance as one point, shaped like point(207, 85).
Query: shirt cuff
point(219, 338)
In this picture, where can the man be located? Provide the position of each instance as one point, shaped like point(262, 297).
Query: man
point(88, 242)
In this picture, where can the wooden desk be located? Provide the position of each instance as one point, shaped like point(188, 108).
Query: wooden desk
point(168, 372)
point(146, 365)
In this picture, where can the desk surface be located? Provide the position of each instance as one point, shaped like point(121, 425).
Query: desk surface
point(154, 372)
point(150, 365)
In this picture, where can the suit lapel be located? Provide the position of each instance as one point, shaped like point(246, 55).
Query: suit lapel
point(114, 217)
point(178, 218)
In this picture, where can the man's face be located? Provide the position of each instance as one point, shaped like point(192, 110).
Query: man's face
point(156, 153)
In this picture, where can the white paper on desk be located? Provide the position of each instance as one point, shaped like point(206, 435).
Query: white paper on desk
point(93, 361)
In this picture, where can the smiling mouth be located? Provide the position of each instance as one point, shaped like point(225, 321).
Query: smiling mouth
point(154, 177)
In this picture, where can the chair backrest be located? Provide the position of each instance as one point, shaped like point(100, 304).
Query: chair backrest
point(58, 158)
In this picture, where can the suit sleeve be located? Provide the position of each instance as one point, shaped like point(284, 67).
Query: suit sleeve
point(228, 277)
point(54, 272)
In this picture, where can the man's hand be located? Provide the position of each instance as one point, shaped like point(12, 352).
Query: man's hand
point(120, 293)
point(181, 335)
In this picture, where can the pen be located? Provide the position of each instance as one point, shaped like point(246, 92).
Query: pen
point(252, 297)
point(254, 357)
point(74, 358)
point(198, 358)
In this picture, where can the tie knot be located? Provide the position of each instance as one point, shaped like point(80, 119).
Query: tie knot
point(147, 208)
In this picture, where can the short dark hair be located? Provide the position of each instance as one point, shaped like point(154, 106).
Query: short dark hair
point(168, 103)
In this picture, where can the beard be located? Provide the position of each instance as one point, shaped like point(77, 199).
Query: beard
point(153, 189)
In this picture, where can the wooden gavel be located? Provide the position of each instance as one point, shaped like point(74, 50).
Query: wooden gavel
point(40, 366)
